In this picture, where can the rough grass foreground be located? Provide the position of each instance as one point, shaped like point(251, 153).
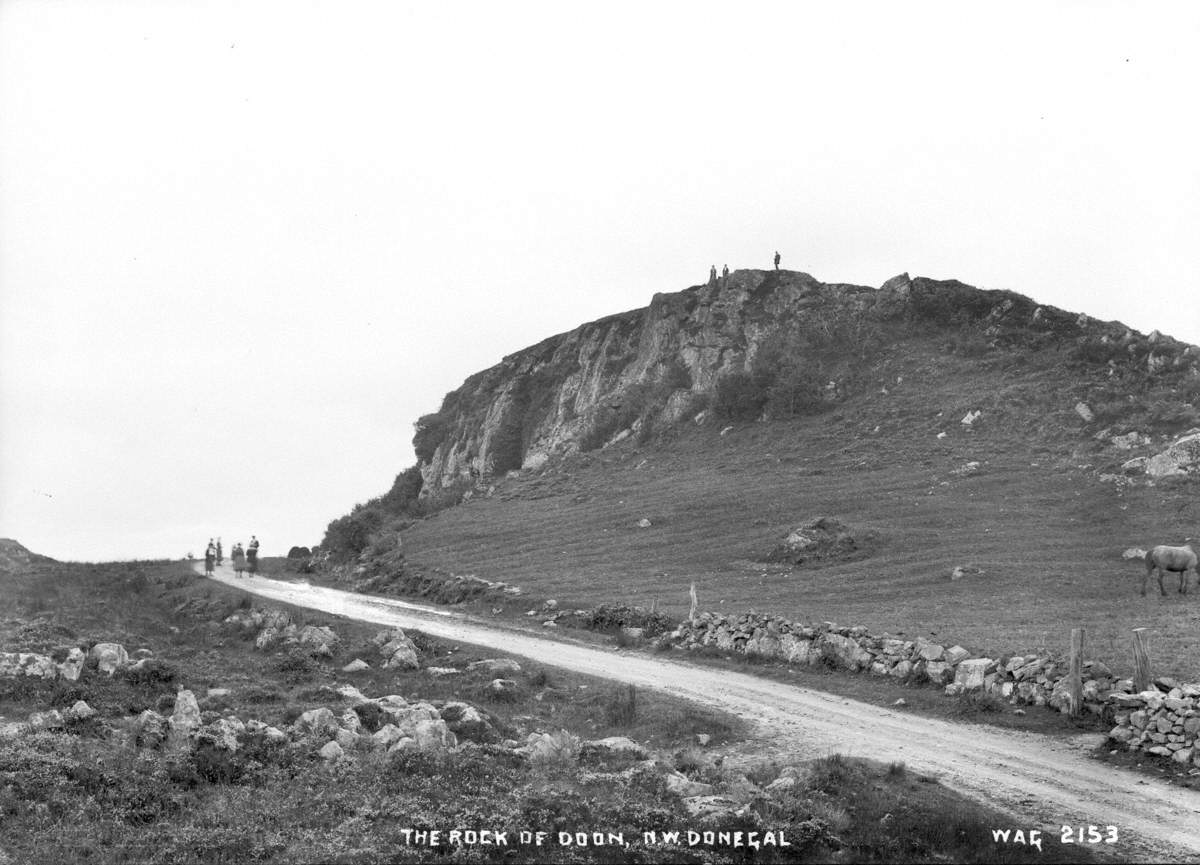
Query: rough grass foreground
point(87, 794)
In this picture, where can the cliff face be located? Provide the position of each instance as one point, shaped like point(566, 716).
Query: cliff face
point(582, 388)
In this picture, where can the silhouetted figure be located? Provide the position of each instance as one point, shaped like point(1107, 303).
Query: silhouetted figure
point(725, 273)
point(712, 275)
point(220, 553)
point(252, 556)
point(210, 556)
point(777, 259)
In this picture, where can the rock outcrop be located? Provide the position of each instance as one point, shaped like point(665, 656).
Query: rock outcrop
point(602, 380)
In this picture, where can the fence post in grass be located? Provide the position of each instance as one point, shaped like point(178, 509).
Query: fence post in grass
point(1141, 660)
point(1075, 682)
point(695, 603)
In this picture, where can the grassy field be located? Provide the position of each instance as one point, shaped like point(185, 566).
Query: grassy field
point(89, 794)
point(1042, 532)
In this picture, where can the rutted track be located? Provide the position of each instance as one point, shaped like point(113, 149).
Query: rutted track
point(1042, 782)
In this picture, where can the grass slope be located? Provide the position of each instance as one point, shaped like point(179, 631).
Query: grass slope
point(1036, 520)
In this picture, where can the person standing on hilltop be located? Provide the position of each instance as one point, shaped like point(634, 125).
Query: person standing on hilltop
point(777, 259)
point(252, 556)
point(712, 275)
point(725, 273)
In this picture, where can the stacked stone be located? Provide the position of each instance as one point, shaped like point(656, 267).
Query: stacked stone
point(1164, 721)
point(1032, 680)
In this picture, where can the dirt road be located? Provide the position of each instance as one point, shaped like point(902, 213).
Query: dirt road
point(1044, 783)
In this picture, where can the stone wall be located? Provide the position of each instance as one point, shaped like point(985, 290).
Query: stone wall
point(1030, 680)
point(1163, 721)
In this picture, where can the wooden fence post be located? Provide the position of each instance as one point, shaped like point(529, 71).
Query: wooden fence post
point(1141, 660)
point(695, 603)
point(1075, 682)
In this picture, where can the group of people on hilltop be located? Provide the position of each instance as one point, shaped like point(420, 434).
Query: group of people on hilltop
point(712, 271)
point(243, 559)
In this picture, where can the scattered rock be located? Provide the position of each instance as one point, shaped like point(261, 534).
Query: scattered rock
point(619, 745)
point(901, 702)
point(109, 657)
point(355, 666)
point(217, 693)
point(495, 665)
point(683, 786)
point(72, 667)
point(1181, 458)
point(150, 729)
point(80, 711)
point(644, 523)
point(320, 641)
point(1134, 553)
point(1084, 411)
point(968, 468)
point(970, 417)
point(823, 539)
point(397, 649)
point(332, 751)
point(316, 722)
point(185, 720)
point(49, 720)
point(502, 686)
point(437, 672)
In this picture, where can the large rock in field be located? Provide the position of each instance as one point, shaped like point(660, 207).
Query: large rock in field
point(618, 745)
point(317, 722)
point(27, 664)
point(386, 736)
point(80, 711)
point(331, 752)
point(1181, 458)
point(109, 657)
point(684, 787)
point(823, 539)
point(150, 729)
point(72, 667)
point(49, 720)
point(185, 720)
point(432, 735)
point(466, 722)
point(397, 649)
point(222, 733)
point(320, 641)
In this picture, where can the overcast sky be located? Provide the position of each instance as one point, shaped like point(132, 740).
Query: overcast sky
point(244, 245)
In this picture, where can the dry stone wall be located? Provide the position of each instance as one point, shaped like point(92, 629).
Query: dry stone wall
point(1163, 720)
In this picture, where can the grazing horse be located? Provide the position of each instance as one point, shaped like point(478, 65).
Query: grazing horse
point(1164, 558)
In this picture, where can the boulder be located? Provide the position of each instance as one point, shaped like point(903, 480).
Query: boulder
point(683, 786)
point(222, 733)
point(346, 738)
point(80, 711)
point(349, 720)
point(319, 723)
point(710, 808)
point(332, 751)
point(27, 664)
point(397, 650)
point(955, 654)
point(466, 722)
point(320, 641)
point(619, 745)
point(49, 720)
point(72, 667)
point(430, 735)
point(438, 672)
point(150, 729)
point(1135, 466)
point(386, 736)
point(1181, 458)
point(185, 720)
point(109, 657)
point(970, 672)
point(356, 666)
point(352, 694)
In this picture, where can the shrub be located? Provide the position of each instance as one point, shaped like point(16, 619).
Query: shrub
point(153, 671)
point(739, 396)
point(431, 430)
point(621, 706)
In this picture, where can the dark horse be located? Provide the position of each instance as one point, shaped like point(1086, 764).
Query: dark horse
point(1164, 558)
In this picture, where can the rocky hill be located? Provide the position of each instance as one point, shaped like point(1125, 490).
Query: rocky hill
point(14, 558)
point(648, 368)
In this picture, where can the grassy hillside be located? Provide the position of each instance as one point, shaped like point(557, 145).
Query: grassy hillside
point(1039, 532)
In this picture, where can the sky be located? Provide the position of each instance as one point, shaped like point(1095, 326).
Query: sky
point(245, 245)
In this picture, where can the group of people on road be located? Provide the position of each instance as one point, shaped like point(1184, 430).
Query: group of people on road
point(244, 559)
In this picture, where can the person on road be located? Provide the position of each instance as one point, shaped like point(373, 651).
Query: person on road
point(220, 552)
point(252, 556)
point(239, 559)
point(210, 556)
